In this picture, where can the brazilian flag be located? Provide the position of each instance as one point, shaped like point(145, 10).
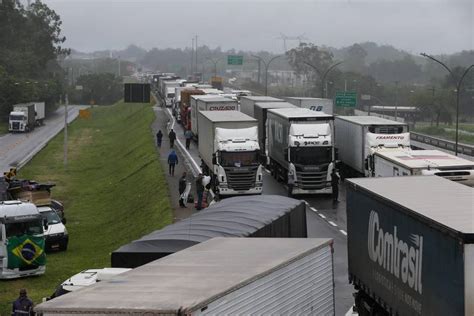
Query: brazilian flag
point(25, 251)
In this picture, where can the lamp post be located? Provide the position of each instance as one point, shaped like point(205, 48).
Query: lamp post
point(458, 92)
point(267, 65)
point(323, 75)
point(215, 61)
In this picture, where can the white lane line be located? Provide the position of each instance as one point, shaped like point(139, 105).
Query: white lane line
point(332, 223)
point(313, 209)
point(267, 171)
point(322, 215)
point(343, 232)
point(305, 202)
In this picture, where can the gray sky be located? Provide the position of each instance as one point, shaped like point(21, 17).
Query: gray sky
point(432, 26)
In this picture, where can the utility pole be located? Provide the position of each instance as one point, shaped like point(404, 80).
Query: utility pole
point(458, 92)
point(396, 100)
point(258, 75)
point(119, 70)
point(196, 64)
point(267, 65)
point(323, 75)
point(192, 57)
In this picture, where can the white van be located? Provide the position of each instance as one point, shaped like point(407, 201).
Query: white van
point(55, 234)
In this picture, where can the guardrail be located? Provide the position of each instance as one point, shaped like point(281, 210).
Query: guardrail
point(442, 143)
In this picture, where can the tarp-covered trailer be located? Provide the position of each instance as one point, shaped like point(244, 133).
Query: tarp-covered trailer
point(245, 216)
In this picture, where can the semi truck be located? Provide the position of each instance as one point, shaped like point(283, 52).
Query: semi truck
point(315, 104)
point(247, 103)
point(185, 105)
point(230, 152)
point(409, 162)
point(22, 244)
point(260, 113)
point(40, 112)
point(222, 276)
point(300, 149)
point(410, 246)
point(209, 103)
point(359, 137)
point(22, 118)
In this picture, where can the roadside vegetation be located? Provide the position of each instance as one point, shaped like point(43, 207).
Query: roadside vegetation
point(113, 189)
point(466, 132)
point(3, 128)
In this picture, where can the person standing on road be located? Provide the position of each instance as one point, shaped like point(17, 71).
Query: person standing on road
point(199, 191)
point(182, 188)
point(172, 136)
point(172, 161)
point(159, 137)
point(188, 135)
point(23, 305)
point(335, 185)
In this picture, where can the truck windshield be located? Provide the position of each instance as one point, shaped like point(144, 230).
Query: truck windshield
point(16, 117)
point(238, 159)
point(24, 228)
point(51, 216)
point(310, 155)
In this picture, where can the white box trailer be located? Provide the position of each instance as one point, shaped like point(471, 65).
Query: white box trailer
point(247, 103)
point(409, 162)
point(314, 104)
point(357, 137)
point(210, 103)
point(230, 151)
point(222, 276)
point(40, 109)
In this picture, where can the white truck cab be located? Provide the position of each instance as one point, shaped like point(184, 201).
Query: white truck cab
point(56, 235)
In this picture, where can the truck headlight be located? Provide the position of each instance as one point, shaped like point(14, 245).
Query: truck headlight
point(65, 231)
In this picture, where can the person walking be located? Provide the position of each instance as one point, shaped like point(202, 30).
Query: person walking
point(172, 161)
point(188, 135)
point(199, 191)
point(182, 187)
point(335, 185)
point(22, 306)
point(159, 137)
point(172, 136)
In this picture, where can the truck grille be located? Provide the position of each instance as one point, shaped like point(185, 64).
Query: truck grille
point(16, 126)
point(241, 180)
point(312, 180)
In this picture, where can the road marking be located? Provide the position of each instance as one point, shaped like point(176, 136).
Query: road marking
point(305, 202)
point(343, 232)
point(332, 223)
point(313, 209)
point(267, 171)
point(322, 215)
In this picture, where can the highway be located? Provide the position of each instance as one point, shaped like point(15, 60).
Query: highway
point(324, 219)
point(17, 149)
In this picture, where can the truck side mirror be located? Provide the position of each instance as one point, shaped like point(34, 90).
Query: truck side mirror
point(366, 163)
point(336, 154)
point(286, 153)
point(214, 159)
point(64, 221)
point(45, 224)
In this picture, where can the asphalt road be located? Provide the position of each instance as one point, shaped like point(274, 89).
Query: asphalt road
point(324, 218)
point(17, 149)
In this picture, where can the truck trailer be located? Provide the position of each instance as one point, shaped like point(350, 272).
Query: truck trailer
point(40, 112)
point(422, 162)
point(22, 118)
point(411, 246)
point(260, 113)
point(222, 276)
point(209, 102)
point(185, 105)
point(359, 137)
point(314, 104)
point(230, 152)
point(300, 149)
point(247, 103)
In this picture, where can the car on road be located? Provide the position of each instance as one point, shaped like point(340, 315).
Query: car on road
point(55, 233)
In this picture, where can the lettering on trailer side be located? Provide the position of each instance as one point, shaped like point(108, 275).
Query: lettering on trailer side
point(400, 258)
point(222, 108)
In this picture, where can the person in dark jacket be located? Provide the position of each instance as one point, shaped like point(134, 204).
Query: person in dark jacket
point(172, 161)
point(335, 185)
point(182, 188)
point(23, 305)
point(199, 191)
point(188, 135)
point(172, 136)
point(159, 137)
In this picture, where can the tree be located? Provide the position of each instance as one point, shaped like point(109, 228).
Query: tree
point(354, 59)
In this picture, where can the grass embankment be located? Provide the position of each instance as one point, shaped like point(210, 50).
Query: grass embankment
point(448, 132)
point(3, 128)
point(114, 192)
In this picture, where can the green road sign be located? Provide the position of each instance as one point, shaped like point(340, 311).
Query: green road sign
point(235, 60)
point(346, 99)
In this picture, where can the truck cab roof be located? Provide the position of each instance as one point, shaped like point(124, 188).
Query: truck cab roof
point(16, 208)
point(369, 120)
point(226, 116)
point(297, 113)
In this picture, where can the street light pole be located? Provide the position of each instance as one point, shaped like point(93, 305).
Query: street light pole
point(267, 65)
point(458, 92)
point(324, 74)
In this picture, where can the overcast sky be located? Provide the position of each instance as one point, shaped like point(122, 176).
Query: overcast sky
point(432, 26)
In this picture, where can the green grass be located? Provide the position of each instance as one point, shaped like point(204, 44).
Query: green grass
point(113, 189)
point(3, 128)
point(442, 133)
point(468, 127)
